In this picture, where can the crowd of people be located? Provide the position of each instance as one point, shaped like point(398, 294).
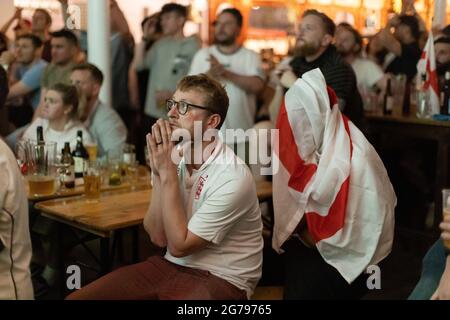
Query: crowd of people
point(207, 214)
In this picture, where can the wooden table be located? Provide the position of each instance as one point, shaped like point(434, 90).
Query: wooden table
point(115, 210)
point(412, 126)
point(143, 180)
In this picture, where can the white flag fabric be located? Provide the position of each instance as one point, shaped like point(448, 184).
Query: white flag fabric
point(427, 65)
point(331, 175)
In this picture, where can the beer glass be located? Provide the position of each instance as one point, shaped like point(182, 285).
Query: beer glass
point(91, 149)
point(38, 163)
point(92, 180)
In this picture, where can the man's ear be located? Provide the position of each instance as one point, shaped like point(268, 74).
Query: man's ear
point(68, 109)
point(97, 88)
point(327, 40)
point(213, 121)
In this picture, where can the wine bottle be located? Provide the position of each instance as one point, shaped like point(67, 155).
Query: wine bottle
point(80, 156)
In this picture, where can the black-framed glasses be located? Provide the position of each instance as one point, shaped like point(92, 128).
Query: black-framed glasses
point(182, 106)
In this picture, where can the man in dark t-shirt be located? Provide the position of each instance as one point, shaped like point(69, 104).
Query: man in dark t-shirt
point(314, 50)
point(403, 44)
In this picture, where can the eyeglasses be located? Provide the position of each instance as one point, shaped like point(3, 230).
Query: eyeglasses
point(182, 106)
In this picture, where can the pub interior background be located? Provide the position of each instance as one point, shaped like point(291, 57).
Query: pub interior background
point(415, 155)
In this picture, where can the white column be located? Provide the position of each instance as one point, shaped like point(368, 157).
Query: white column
point(99, 47)
point(440, 13)
point(7, 12)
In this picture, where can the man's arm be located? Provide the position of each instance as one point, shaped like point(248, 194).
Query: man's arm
point(180, 241)
point(18, 90)
point(17, 16)
point(153, 223)
point(251, 84)
point(443, 290)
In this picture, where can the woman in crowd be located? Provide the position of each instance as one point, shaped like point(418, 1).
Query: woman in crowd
point(59, 117)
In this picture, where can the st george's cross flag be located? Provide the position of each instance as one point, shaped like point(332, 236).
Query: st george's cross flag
point(329, 174)
point(427, 66)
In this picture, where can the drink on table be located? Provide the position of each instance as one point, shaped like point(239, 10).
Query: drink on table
point(68, 176)
point(92, 180)
point(41, 185)
point(80, 156)
point(388, 102)
point(92, 151)
point(39, 160)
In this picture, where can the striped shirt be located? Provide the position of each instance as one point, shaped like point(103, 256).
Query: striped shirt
point(340, 76)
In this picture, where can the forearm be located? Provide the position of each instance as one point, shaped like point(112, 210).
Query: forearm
point(392, 44)
point(275, 104)
point(174, 217)
point(7, 25)
point(153, 222)
point(252, 84)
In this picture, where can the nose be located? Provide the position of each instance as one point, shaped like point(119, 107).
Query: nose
point(173, 113)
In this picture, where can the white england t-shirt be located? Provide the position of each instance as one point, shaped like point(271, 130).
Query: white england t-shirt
point(245, 62)
point(222, 207)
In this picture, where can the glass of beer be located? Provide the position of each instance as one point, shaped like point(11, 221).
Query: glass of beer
point(446, 210)
point(39, 166)
point(92, 180)
point(92, 151)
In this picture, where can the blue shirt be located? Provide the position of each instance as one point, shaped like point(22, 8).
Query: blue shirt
point(31, 77)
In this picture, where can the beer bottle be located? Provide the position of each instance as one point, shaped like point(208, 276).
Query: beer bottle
point(40, 150)
point(80, 156)
point(388, 102)
point(67, 161)
point(445, 95)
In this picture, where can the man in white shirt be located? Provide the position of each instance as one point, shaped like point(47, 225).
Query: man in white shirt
point(238, 68)
point(15, 243)
point(349, 44)
point(103, 122)
point(204, 211)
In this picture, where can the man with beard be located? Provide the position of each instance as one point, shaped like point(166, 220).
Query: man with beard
point(103, 122)
point(205, 212)
point(238, 68)
point(314, 49)
point(349, 44)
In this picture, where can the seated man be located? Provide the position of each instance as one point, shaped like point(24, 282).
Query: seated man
point(102, 121)
point(205, 210)
point(434, 281)
point(333, 201)
point(15, 243)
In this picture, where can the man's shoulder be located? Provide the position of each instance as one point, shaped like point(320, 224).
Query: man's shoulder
point(103, 111)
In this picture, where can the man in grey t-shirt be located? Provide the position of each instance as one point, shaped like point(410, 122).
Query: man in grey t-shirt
point(168, 60)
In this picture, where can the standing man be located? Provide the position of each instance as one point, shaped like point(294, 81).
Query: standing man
point(238, 68)
point(103, 122)
point(314, 49)
point(168, 61)
point(204, 212)
point(40, 26)
point(403, 45)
